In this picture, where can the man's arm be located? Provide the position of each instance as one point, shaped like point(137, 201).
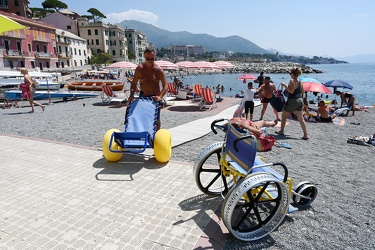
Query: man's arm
point(164, 86)
point(134, 83)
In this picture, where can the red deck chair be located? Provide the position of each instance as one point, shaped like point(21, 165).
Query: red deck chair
point(197, 92)
point(172, 90)
point(109, 96)
point(208, 99)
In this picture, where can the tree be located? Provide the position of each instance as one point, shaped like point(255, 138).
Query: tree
point(96, 14)
point(101, 58)
point(131, 54)
point(54, 4)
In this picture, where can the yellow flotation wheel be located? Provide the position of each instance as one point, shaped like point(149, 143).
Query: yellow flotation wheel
point(111, 156)
point(163, 145)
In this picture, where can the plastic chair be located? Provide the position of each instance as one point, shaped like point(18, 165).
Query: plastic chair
point(172, 90)
point(197, 92)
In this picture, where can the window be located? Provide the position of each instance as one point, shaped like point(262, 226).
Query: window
point(114, 52)
point(37, 48)
point(69, 27)
point(16, 3)
point(97, 41)
point(45, 50)
point(96, 32)
point(84, 52)
point(88, 42)
point(79, 51)
point(81, 62)
point(29, 46)
point(89, 32)
point(75, 51)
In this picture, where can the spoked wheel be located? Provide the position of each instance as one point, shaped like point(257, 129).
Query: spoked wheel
point(207, 171)
point(255, 206)
point(304, 194)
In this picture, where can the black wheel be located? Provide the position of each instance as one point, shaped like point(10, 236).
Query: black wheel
point(207, 171)
point(255, 206)
point(304, 194)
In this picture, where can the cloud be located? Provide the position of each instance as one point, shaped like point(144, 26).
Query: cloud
point(138, 15)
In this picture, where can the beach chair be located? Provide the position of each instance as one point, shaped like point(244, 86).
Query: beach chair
point(256, 196)
point(109, 96)
point(139, 133)
point(172, 90)
point(208, 99)
point(197, 92)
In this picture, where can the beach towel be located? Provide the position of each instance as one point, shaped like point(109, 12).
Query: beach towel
point(339, 121)
point(361, 140)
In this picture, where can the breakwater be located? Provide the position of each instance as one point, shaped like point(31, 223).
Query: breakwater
point(273, 67)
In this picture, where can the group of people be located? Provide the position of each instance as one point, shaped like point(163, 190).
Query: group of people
point(295, 104)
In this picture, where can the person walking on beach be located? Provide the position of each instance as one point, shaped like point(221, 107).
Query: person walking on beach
point(260, 79)
point(294, 102)
point(149, 76)
point(29, 90)
point(348, 99)
point(266, 92)
point(249, 101)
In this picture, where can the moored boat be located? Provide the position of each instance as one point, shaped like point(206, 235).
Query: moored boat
point(12, 79)
point(95, 84)
point(16, 95)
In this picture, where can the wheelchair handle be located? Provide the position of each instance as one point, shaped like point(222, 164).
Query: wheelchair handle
point(238, 139)
point(285, 170)
point(214, 123)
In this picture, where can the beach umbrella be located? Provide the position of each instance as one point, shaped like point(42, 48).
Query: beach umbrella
point(185, 64)
point(204, 65)
point(316, 87)
point(308, 79)
point(338, 84)
point(166, 64)
point(7, 24)
point(224, 64)
point(123, 65)
point(245, 77)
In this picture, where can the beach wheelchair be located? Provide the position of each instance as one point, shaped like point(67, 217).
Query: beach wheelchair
point(256, 196)
point(139, 134)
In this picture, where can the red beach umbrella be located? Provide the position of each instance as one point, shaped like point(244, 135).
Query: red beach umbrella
point(166, 64)
point(224, 64)
point(123, 65)
point(316, 87)
point(246, 77)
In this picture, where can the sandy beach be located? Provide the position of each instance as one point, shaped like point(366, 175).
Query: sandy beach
point(341, 217)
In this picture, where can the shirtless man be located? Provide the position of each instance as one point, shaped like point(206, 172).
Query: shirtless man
point(323, 112)
point(267, 90)
point(149, 76)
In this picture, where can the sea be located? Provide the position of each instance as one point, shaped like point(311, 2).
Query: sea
point(360, 75)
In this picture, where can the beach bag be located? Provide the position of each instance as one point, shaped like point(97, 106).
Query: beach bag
point(265, 142)
point(278, 100)
point(36, 83)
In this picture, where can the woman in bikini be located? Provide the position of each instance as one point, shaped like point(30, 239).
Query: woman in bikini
point(29, 92)
point(253, 127)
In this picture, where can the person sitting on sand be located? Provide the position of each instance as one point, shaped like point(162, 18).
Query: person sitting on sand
point(253, 127)
point(323, 112)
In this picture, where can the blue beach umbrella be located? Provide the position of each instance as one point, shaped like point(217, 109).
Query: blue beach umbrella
point(338, 84)
point(308, 79)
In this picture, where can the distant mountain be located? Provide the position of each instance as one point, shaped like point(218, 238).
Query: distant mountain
point(164, 38)
point(366, 58)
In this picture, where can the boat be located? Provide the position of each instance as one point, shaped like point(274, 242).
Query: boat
point(95, 84)
point(16, 95)
point(12, 79)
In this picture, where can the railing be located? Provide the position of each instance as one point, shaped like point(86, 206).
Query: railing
point(43, 55)
point(12, 53)
point(42, 39)
point(64, 55)
point(14, 34)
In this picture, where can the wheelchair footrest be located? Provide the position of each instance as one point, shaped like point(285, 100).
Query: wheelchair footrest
point(132, 139)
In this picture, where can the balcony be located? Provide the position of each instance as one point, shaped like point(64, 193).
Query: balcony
point(42, 39)
point(13, 54)
point(43, 55)
point(64, 55)
point(14, 34)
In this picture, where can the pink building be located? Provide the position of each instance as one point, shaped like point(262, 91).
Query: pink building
point(31, 48)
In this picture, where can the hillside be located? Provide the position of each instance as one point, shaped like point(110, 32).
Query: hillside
point(164, 38)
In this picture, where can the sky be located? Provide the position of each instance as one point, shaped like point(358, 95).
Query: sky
point(329, 28)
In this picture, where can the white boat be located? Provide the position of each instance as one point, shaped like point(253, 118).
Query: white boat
point(12, 79)
point(16, 95)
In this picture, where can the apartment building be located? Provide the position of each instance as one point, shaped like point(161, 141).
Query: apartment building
point(64, 19)
point(104, 38)
point(137, 43)
point(187, 50)
point(32, 48)
point(18, 7)
point(71, 49)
